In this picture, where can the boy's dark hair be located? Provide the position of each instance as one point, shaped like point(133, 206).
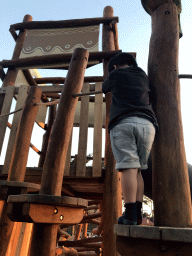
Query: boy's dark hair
point(121, 59)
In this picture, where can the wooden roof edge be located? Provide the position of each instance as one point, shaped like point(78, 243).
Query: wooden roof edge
point(63, 23)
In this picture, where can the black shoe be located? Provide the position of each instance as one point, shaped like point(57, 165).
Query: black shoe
point(124, 221)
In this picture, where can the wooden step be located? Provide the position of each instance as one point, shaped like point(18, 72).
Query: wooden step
point(36, 208)
point(153, 241)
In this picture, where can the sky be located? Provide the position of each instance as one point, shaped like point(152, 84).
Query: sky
point(134, 29)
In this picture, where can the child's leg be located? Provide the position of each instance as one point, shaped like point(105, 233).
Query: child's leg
point(129, 185)
point(139, 197)
point(129, 191)
point(140, 187)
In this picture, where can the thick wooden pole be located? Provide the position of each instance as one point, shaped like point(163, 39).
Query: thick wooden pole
point(22, 144)
point(12, 73)
point(45, 235)
point(112, 199)
point(19, 161)
point(171, 191)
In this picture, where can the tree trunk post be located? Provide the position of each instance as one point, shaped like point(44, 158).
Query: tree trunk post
point(171, 191)
point(45, 235)
point(19, 161)
point(112, 199)
point(11, 74)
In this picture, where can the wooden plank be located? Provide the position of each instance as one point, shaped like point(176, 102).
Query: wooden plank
point(12, 247)
point(68, 157)
point(5, 109)
point(20, 102)
point(82, 148)
point(26, 240)
point(97, 141)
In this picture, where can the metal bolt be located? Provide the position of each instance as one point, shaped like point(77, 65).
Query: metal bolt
point(167, 12)
point(56, 211)
point(61, 217)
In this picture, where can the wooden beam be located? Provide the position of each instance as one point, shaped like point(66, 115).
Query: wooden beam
point(171, 191)
point(63, 23)
point(61, 80)
point(52, 60)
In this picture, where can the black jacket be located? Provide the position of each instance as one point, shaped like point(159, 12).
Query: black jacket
point(130, 95)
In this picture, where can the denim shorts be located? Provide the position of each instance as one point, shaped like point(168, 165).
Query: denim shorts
point(131, 141)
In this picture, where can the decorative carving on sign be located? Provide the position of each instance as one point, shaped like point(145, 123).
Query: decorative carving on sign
point(58, 41)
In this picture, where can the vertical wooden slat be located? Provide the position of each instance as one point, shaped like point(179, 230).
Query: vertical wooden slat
point(68, 158)
point(20, 102)
point(12, 247)
point(82, 149)
point(24, 239)
point(46, 136)
point(5, 109)
point(97, 143)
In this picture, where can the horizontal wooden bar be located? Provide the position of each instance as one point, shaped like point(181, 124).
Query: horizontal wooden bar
point(92, 216)
point(31, 145)
point(52, 60)
point(87, 93)
point(80, 242)
point(63, 23)
point(185, 76)
point(61, 80)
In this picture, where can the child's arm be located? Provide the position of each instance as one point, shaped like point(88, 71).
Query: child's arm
point(106, 86)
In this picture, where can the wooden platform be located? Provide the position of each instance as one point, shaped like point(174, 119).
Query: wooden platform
point(83, 187)
point(153, 241)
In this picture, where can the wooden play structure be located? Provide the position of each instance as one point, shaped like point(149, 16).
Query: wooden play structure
point(38, 204)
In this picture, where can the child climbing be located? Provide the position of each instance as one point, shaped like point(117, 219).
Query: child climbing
point(132, 128)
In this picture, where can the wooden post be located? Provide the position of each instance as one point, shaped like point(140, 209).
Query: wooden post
point(12, 73)
point(19, 160)
point(171, 191)
point(112, 199)
point(44, 235)
point(22, 144)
